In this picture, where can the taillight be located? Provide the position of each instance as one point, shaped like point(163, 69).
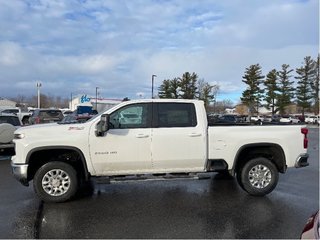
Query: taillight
point(305, 131)
point(37, 120)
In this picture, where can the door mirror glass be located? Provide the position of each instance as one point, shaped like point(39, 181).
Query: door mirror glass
point(103, 125)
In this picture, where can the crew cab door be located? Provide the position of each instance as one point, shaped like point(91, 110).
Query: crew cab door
point(126, 146)
point(178, 138)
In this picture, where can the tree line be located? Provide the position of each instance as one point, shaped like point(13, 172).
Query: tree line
point(188, 86)
point(46, 101)
point(277, 90)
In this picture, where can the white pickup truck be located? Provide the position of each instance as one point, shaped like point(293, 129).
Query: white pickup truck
point(166, 138)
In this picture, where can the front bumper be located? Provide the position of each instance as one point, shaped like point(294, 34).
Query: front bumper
point(20, 172)
point(302, 160)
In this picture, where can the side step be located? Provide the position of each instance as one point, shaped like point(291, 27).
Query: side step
point(150, 177)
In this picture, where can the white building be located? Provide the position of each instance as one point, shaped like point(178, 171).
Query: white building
point(7, 103)
point(100, 104)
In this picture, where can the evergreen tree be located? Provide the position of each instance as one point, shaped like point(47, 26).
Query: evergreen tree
point(186, 88)
point(169, 89)
point(174, 88)
point(315, 86)
point(286, 90)
point(305, 77)
point(188, 85)
point(253, 94)
point(164, 89)
point(205, 92)
point(271, 90)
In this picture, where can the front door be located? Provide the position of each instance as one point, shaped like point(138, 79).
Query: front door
point(126, 147)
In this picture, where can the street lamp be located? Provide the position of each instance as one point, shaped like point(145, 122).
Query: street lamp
point(71, 101)
point(97, 98)
point(38, 87)
point(152, 85)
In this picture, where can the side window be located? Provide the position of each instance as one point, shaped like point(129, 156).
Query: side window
point(132, 116)
point(176, 115)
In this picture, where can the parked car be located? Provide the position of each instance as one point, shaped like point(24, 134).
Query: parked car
point(223, 119)
point(312, 228)
point(76, 118)
point(256, 118)
point(312, 119)
point(11, 119)
point(272, 119)
point(46, 116)
point(289, 119)
point(23, 116)
point(67, 112)
point(8, 124)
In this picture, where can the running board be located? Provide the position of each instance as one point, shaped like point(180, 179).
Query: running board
point(149, 177)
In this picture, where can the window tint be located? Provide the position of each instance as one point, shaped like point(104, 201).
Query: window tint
point(132, 116)
point(176, 115)
point(51, 113)
point(14, 111)
point(10, 119)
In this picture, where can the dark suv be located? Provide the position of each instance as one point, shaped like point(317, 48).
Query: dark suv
point(46, 116)
point(10, 118)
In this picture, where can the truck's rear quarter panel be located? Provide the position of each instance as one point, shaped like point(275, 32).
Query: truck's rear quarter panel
point(226, 141)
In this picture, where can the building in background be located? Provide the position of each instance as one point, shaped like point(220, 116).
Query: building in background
point(99, 104)
point(7, 103)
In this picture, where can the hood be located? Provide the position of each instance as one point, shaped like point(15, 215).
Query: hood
point(52, 129)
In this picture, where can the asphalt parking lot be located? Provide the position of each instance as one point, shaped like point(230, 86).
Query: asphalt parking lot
point(210, 208)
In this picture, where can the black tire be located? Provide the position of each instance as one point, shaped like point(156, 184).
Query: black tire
point(25, 120)
point(258, 176)
point(48, 182)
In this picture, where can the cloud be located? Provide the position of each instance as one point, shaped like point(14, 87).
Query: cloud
point(74, 46)
point(10, 54)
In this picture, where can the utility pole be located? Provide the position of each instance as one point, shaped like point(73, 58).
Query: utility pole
point(97, 98)
point(153, 76)
point(38, 88)
point(71, 102)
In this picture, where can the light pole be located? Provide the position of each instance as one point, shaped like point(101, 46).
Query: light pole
point(97, 98)
point(71, 101)
point(152, 85)
point(38, 87)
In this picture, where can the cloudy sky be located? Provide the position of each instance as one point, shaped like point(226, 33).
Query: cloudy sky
point(116, 45)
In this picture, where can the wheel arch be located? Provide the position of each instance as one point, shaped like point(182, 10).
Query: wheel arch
point(273, 152)
point(42, 155)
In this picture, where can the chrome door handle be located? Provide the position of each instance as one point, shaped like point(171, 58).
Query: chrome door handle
point(141, 135)
point(195, 135)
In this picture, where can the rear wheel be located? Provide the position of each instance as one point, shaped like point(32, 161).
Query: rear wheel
point(55, 182)
point(258, 176)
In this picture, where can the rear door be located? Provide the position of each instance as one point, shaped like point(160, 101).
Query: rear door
point(178, 139)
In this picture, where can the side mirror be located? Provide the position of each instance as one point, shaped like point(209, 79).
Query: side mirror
point(103, 125)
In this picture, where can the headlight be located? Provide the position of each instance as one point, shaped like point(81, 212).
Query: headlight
point(19, 135)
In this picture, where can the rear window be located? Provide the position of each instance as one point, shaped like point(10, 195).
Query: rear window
point(176, 115)
point(14, 111)
point(51, 113)
point(10, 119)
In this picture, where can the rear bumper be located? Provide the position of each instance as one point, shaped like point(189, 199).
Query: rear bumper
point(302, 160)
point(20, 172)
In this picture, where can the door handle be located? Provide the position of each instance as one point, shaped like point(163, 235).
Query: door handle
point(195, 135)
point(141, 135)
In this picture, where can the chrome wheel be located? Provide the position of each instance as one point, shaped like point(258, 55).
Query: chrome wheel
point(56, 182)
point(260, 176)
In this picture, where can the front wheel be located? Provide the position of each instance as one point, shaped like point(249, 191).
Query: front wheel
point(258, 176)
point(55, 182)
